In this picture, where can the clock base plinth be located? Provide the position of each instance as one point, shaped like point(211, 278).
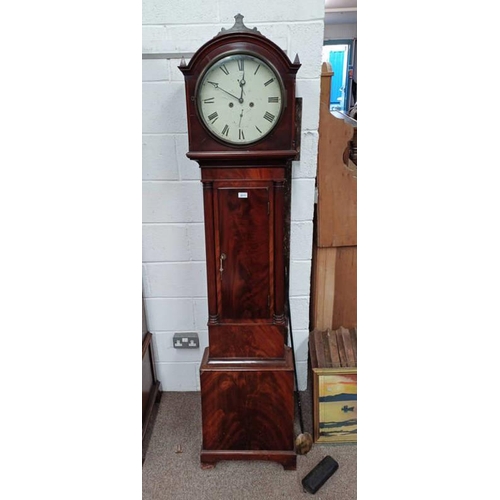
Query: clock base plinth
point(288, 459)
point(248, 410)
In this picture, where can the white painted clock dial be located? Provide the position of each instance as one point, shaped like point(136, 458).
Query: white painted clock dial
point(240, 99)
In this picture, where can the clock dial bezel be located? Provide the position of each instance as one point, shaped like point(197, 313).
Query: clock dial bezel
point(209, 67)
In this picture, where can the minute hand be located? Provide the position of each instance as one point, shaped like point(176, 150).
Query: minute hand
point(216, 85)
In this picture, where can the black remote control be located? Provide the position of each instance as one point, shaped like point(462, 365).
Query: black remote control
point(320, 474)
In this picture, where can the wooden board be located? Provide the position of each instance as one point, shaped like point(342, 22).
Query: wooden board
point(317, 338)
point(349, 348)
point(323, 287)
point(334, 276)
point(344, 361)
point(334, 288)
point(345, 308)
point(334, 349)
point(337, 189)
point(354, 342)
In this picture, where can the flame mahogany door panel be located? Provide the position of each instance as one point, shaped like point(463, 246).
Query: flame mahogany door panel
point(244, 246)
point(241, 233)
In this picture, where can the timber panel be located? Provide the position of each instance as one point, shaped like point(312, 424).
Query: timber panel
point(345, 308)
point(334, 274)
point(337, 190)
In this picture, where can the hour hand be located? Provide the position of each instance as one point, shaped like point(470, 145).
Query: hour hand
point(216, 85)
point(242, 82)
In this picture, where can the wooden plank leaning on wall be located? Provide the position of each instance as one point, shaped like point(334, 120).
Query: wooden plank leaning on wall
point(334, 267)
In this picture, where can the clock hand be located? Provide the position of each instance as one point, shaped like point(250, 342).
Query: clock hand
point(242, 82)
point(241, 115)
point(216, 85)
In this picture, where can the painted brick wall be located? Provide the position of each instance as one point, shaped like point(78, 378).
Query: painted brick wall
point(174, 278)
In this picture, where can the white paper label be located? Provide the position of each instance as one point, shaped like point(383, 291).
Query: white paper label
point(242, 195)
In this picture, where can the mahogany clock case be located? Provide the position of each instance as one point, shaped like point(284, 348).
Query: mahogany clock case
point(247, 382)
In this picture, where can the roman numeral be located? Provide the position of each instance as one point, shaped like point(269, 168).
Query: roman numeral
point(241, 64)
point(258, 67)
point(241, 135)
point(269, 82)
point(224, 69)
point(210, 100)
point(272, 99)
point(225, 130)
point(213, 117)
point(269, 117)
point(258, 129)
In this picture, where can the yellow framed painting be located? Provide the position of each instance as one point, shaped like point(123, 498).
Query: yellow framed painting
point(335, 405)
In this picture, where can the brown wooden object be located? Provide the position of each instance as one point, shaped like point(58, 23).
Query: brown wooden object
point(247, 387)
point(345, 297)
point(337, 200)
point(334, 278)
point(333, 348)
point(151, 389)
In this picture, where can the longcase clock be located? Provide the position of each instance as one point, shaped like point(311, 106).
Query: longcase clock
point(240, 95)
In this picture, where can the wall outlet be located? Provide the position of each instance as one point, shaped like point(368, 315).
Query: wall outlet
point(186, 340)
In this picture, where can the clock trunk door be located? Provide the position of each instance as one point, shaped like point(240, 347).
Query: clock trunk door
point(244, 249)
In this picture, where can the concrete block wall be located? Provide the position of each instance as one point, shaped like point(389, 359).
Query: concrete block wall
point(174, 277)
point(341, 31)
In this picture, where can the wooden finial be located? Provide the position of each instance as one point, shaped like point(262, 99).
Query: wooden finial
point(183, 62)
point(296, 60)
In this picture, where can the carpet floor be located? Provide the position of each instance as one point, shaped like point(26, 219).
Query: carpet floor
point(170, 475)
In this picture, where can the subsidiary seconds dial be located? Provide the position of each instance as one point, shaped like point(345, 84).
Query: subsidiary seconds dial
point(240, 98)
